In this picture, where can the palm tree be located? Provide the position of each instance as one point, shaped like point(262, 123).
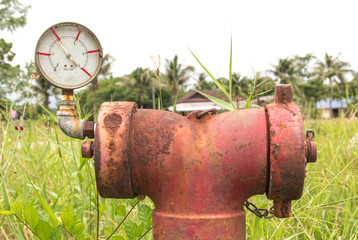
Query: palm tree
point(203, 84)
point(294, 70)
point(176, 75)
point(103, 73)
point(334, 70)
point(284, 70)
point(240, 86)
point(141, 79)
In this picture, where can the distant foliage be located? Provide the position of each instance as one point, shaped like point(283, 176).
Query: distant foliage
point(12, 16)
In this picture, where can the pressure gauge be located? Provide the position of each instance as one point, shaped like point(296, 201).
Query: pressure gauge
point(68, 55)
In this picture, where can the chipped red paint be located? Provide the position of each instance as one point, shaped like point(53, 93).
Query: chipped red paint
point(287, 153)
point(199, 172)
point(111, 149)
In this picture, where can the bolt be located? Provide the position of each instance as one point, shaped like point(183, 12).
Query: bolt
point(88, 129)
point(141, 197)
point(283, 93)
point(311, 151)
point(87, 149)
point(282, 208)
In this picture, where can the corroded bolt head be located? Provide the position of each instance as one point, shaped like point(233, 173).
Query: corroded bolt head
point(88, 129)
point(282, 208)
point(141, 197)
point(87, 149)
point(311, 155)
point(283, 93)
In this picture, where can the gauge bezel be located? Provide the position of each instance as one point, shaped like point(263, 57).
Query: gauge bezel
point(83, 28)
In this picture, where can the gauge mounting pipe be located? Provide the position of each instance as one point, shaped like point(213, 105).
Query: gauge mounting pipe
point(67, 116)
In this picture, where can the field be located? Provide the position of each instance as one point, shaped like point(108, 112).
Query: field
point(48, 186)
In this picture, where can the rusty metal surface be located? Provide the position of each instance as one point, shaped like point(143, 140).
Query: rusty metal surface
point(199, 171)
point(204, 227)
point(111, 149)
point(87, 149)
point(282, 209)
point(88, 129)
point(310, 146)
point(67, 116)
point(287, 153)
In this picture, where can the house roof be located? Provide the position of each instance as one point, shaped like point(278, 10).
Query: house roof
point(194, 96)
point(336, 103)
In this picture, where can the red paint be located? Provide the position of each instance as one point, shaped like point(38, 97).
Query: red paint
point(44, 54)
point(93, 51)
point(86, 72)
point(78, 34)
point(199, 172)
point(53, 31)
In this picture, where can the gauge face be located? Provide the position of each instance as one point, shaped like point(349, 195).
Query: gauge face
point(68, 55)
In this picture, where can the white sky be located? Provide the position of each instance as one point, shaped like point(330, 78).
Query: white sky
point(262, 31)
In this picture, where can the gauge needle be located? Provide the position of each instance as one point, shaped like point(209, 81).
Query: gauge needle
point(68, 54)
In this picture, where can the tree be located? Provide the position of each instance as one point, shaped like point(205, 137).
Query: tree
point(284, 71)
point(42, 88)
point(117, 89)
point(295, 71)
point(334, 70)
point(12, 16)
point(104, 72)
point(314, 89)
point(240, 86)
point(141, 79)
point(176, 75)
point(203, 84)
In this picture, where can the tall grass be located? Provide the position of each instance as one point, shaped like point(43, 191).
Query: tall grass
point(44, 177)
point(49, 188)
point(328, 208)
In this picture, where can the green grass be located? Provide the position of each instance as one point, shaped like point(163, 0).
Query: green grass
point(47, 162)
point(44, 177)
point(328, 208)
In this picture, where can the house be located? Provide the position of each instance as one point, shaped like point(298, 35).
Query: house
point(339, 107)
point(193, 101)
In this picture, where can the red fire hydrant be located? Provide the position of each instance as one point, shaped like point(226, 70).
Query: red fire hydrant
point(200, 169)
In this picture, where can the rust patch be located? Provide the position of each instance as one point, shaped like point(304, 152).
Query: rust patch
point(243, 146)
point(67, 94)
point(87, 149)
point(112, 122)
point(282, 209)
point(275, 149)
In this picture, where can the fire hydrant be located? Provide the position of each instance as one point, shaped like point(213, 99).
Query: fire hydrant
point(200, 169)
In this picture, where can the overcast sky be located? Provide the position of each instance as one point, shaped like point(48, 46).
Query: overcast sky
point(263, 31)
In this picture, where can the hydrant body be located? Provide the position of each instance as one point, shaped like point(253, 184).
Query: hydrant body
point(199, 172)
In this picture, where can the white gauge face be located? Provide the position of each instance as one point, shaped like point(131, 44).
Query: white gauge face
point(68, 55)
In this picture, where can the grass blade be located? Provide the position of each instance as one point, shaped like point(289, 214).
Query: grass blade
point(248, 101)
point(218, 101)
point(175, 103)
point(230, 70)
point(220, 86)
point(46, 207)
point(52, 116)
point(5, 212)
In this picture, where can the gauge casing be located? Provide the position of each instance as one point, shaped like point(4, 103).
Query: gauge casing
point(68, 55)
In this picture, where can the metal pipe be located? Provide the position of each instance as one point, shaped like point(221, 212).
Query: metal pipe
point(67, 116)
point(200, 169)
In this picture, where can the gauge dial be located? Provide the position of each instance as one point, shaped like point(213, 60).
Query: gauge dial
point(68, 55)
